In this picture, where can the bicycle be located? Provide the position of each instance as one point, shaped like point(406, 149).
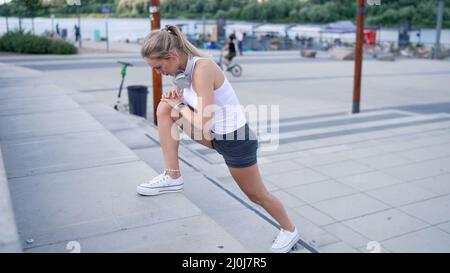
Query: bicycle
point(123, 72)
point(234, 68)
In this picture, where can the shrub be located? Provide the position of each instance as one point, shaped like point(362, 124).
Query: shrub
point(20, 42)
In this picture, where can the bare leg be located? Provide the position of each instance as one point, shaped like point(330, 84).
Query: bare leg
point(248, 179)
point(169, 137)
point(169, 144)
point(250, 182)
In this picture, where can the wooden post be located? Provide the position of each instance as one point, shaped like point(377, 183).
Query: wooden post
point(360, 10)
point(155, 23)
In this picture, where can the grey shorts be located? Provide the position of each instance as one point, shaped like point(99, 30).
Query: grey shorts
point(238, 148)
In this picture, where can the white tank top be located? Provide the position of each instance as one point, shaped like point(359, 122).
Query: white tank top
point(228, 115)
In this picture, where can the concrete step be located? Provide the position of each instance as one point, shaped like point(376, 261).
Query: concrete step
point(220, 190)
point(9, 238)
point(71, 179)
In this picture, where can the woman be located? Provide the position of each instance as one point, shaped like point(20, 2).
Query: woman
point(214, 111)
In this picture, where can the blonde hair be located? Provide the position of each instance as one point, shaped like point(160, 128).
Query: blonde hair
point(158, 43)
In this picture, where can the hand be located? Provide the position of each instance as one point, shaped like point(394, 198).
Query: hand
point(173, 97)
point(174, 92)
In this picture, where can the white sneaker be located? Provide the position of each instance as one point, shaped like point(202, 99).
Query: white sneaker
point(160, 184)
point(285, 241)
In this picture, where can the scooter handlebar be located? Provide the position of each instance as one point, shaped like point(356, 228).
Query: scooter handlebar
point(125, 63)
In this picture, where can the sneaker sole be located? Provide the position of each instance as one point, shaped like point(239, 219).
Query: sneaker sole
point(288, 247)
point(152, 192)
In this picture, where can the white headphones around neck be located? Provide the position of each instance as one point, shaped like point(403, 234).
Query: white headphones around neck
point(183, 79)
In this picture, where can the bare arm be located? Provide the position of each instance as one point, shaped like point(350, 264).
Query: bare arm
point(203, 83)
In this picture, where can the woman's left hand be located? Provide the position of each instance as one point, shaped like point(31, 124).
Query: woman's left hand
point(173, 97)
point(173, 101)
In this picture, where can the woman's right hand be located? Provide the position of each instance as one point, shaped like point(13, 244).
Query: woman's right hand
point(174, 93)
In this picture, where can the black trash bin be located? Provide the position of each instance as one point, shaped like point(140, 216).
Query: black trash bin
point(137, 99)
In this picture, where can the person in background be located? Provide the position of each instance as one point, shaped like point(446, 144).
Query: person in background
point(58, 33)
point(240, 41)
point(230, 47)
point(77, 33)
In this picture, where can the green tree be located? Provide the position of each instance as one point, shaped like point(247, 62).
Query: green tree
point(31, 6)
point(390, 17)
point(234, 13)
point(131, 8)
point(196, 6)
point(250, 11)
point(211, 6)
point(318, 14)
point(421, 13)
point(25, 8)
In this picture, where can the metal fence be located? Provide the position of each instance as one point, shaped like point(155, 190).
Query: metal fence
point(267, 43)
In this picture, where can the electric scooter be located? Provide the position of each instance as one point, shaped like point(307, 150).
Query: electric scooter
point(123, 72)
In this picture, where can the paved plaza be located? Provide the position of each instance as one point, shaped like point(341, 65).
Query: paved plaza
point(348, 181)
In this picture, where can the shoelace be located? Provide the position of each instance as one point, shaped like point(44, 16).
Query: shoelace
point(157, 180)
point(280, 235)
